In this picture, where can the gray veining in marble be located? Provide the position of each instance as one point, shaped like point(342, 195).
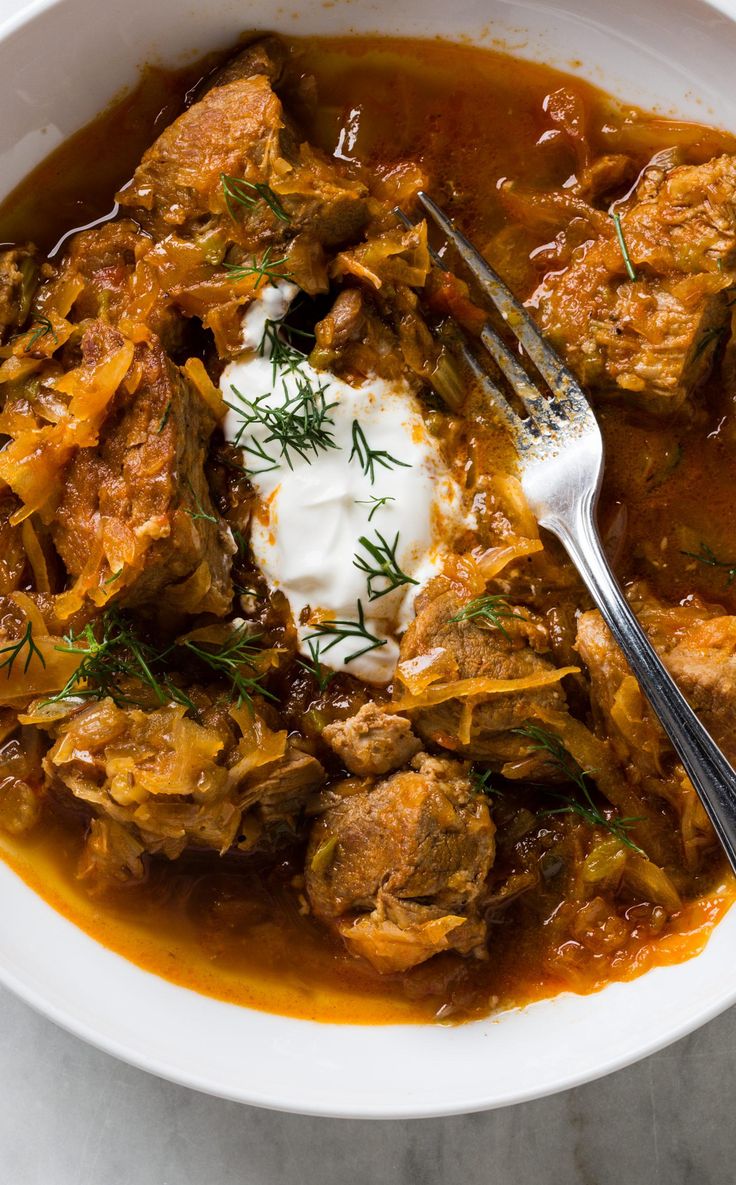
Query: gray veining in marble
point(72, 1116)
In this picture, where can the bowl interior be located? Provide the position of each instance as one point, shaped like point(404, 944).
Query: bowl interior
point(673, 55)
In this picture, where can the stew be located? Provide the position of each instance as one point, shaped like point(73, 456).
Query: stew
point(297, 706)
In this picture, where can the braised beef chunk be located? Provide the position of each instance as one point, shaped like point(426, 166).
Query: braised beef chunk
point(698, 646)
point(19, 268)
point(104, 274)
point(136, 517)
point(281, 788)
point(703, 662)
point(398, 866)
point(342, 324)
point(267, 56)
point(104, 259)
point(482, 728)
point(206, 168)
point(373, 741)
point(652, 335)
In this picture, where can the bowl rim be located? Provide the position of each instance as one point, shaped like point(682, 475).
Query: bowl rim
point(340, 1105)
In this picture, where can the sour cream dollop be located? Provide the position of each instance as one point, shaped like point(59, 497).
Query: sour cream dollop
point(319, 507)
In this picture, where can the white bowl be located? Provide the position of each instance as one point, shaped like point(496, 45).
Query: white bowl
point(60, 62)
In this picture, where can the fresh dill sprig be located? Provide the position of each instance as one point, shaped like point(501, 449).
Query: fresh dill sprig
point(557, 755)
point(233, 466)
point(43, 327)
point(264, 269)
point(112, 660)
point(630, 271)
point(300, 425)
point(382, 565)
point(115, 661)
point(713, 334)
point(340, 630)
point(238, 192)
point(201, 513)
point(376, 503)
point(491, 609)
point(14, 651)
point(368, 458)
point(164, 418)
point(480, 780)
point(256, 449)
point(707, 556)
point(236, 661)
point(319, 673)
point(283, 357)
point(295, 331)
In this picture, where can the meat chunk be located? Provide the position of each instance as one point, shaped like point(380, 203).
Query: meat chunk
point(135, 516)
point(480, 726)
point(620, 711)
point(342, 324)
point(698, 647)
point(685, 217)
point(18, 274)
point(653, 336)
point(703, 662)
point(227, 183)
point(357, 340)
point(281, 787)
point(267, 56)
point(238, 130)
point(373, 741)
point(105, 274)
point(103, 259)
point(397, 866)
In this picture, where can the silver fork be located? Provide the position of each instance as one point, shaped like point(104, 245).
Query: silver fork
point(561, 461)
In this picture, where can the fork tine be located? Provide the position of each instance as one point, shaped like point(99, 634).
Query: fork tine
point(516, 426)
point(434, 255)
point(560, 379)
point(495, 396)
point(534, 402)
point(497, 347)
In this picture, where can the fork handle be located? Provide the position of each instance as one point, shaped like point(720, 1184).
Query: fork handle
point(710, 773)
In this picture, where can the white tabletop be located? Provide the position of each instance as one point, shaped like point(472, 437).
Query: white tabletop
point(72, 1116)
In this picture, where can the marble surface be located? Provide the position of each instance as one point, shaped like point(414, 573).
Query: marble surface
point(72, 1116)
